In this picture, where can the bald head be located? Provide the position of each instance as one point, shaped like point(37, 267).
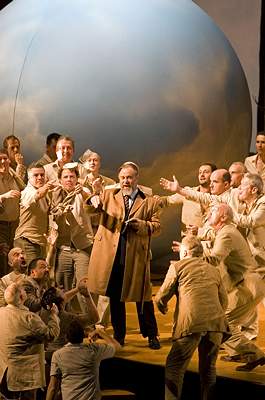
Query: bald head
point(220, 214)
point(15, 294)
point(219, 181)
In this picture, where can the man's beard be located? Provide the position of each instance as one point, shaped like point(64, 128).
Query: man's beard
point(127, 191)
point(205, 184)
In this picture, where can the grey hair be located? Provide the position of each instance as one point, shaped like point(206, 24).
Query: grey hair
point(242, 165)
point(255, 181)
point(193, 245)
point(12, 294)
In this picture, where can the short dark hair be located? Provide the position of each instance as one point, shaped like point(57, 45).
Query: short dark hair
point(7, 138)
point(211, 165)
point(260, 133)
point(35, 165)
point(3, 151)
point(75, 332)
point(52, 136)
point(75, 170)
point(33, 264)
point(226, 177)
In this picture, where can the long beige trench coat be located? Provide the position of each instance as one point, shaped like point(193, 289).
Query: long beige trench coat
point(136, 283)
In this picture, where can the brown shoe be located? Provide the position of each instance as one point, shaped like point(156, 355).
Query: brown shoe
point(249, 366)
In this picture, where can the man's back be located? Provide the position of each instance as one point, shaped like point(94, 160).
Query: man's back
point(78, 364)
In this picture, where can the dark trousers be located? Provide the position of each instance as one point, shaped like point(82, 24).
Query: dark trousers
point(145, 311)
point(146, 318)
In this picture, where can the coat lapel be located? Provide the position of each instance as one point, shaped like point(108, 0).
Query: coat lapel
point(140, 198)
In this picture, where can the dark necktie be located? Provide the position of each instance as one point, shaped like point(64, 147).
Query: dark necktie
point(127, 204)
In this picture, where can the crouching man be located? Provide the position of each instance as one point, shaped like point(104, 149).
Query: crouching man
point(199, 320)
point(22, 338)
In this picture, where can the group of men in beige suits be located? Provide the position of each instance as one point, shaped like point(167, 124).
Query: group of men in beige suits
point(232, 235)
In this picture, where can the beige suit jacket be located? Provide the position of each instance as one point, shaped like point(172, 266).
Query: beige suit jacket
point(201, 297)
point(21, 347)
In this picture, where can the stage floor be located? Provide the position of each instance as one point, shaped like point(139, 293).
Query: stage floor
point(136, 350)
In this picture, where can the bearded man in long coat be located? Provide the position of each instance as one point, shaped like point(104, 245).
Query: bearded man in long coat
point(119, 265)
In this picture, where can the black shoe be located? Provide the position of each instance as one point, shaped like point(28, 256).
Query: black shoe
point(153, 343)
point(236, 358)
point(249, 366)
point(120, 340)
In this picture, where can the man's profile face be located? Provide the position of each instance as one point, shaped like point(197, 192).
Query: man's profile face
point(51, 149)
point(204, 175)
point(128, 179)
point(217, 185)
point(214, 216)
point(64, 151)
point(13, 148)
point(245, 190)
point(237, 174)
point(68, 179)
point(37, 177)
point(260, 144)
point(4, 163)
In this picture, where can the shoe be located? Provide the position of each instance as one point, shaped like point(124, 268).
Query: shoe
point(120, 340)
point(249, 366)
point(154, 343)
point(236, 358)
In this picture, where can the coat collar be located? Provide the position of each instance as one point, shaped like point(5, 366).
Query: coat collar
point(140, 198)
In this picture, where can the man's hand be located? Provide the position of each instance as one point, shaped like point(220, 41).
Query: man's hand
point(82, 287)
point(54, 309)
point(97, 186)
point(42, 191)
point(134, 223)
point(12, 194)
point(95, 200)
point(19, 159)
point(161, 307)
point(175, 246)
point(192, 230)
point(172, 186)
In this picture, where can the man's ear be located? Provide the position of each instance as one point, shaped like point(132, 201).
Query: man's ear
point(254, 190)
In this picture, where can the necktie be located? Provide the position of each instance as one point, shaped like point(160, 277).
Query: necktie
point(127, 204)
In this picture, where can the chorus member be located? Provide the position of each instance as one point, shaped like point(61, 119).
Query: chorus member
point(10, 187)
point(12, 145)
point(34, 209)
point(199, 318)
point(22, 363)
point(236, 170)
point(231, 254)
point(50, 154)
point(76, 365)
point(256, 164)
point(193, 213)
point(96, 182)
point(119, 265)
point(64, 152)
point(18, 265)
point(75, 234)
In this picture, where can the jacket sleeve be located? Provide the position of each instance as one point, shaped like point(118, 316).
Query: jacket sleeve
point(220, 250)
point(167, 290)
point(41, 331)
point(255, 219)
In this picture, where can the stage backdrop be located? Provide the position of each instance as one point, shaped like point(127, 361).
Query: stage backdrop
point(153, 81)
